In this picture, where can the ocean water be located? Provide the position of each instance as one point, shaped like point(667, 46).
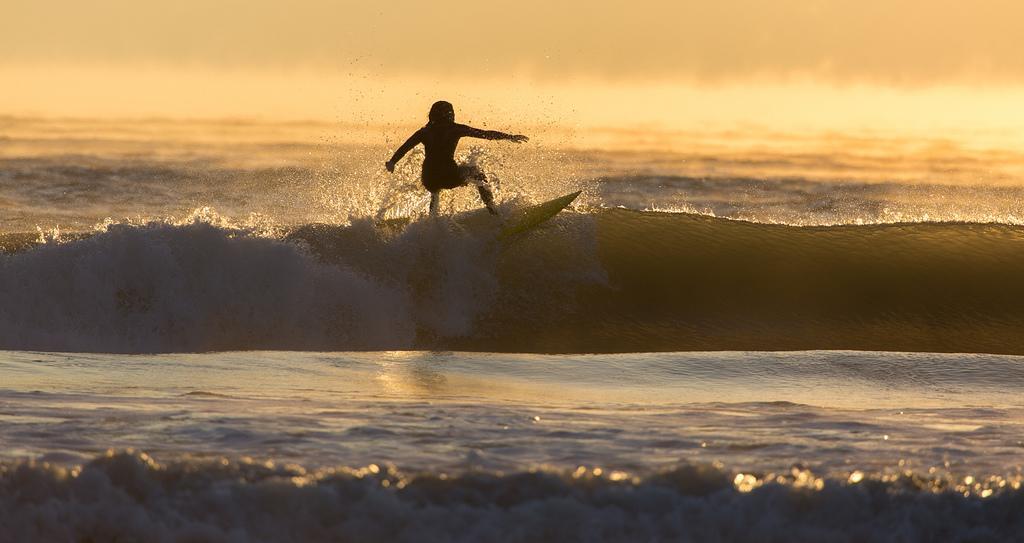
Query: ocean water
point(750, 446)
point(239, 331)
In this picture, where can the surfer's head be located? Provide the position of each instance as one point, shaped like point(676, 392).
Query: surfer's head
point(441, 113)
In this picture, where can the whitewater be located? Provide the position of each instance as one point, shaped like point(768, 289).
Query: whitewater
point(232, 331)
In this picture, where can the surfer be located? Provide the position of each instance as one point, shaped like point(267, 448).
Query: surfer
point(440, 137)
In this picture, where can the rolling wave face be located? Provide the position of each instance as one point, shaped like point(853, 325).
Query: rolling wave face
point(610, 281)
point(692, 282)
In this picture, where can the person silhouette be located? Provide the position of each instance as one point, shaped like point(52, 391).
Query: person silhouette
point(440, 136)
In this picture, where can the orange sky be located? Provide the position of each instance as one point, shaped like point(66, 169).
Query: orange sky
point(891, 41)
point(814, 63)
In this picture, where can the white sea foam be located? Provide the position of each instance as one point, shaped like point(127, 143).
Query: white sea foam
point(193, 287)
point(204, 284)
point(131, 497)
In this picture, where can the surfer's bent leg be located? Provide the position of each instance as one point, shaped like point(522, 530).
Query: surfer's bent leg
point(472, 174)
point(488, 197)
point(434, 200)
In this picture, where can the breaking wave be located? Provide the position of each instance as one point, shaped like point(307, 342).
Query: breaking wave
point(128, 496)
point(603, 281)
point(198, 287)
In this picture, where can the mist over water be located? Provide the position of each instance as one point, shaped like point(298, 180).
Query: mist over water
point(77, 175)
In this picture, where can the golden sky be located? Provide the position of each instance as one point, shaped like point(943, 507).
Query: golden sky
point(590, 60)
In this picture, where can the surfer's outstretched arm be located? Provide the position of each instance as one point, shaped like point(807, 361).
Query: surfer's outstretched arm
point(415, 139)
point(470, 132)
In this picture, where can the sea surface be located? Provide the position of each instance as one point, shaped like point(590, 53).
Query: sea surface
point(246, 331)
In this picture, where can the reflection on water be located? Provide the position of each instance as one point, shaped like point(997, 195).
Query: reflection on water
point(413, 373)
point(829, 411)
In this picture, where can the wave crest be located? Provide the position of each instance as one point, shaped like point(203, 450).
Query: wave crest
point(129, 496)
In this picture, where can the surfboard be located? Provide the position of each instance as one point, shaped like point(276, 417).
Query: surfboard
point(534, 216)
point(517, 223)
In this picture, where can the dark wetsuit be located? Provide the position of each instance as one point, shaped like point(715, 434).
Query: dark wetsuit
point(440, 171)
